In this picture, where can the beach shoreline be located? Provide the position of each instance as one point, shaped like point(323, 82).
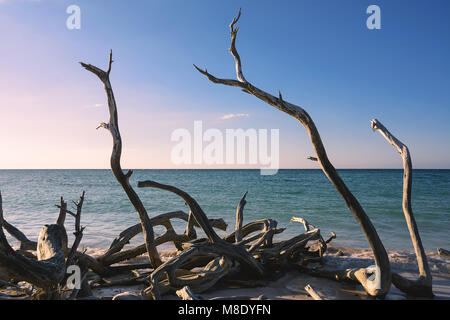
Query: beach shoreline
point(290, 285)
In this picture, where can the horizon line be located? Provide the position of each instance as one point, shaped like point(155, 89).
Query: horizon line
point(218, 169)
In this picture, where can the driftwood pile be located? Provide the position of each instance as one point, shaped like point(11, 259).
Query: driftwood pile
point(244, 257)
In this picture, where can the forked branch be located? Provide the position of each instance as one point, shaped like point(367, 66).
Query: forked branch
point(423, 286)
point(380, 254)
point(233, 251)
point(123, 179)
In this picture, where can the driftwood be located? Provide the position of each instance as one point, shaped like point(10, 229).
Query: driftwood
point(312, 293)
point(124, 179)
point(239, 218)
point(443, 252)
point(247, 257)
point(380, 254)
point(251, 257)
point(186, 294)
point(235, 251)
point(422, 286)
point(114, 253)
point(47, 272)
point(25, 243)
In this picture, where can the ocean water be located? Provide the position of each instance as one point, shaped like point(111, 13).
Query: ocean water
point(30, 196)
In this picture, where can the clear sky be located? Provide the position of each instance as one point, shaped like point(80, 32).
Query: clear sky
point(320, 54)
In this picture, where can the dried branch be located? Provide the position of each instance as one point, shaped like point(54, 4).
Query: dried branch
point(422, 286)
point(186, 294)
point(312, 293)
point(233, 251)
point(380, 254)
point(45, 273)
point(240, 217)
point(78, 231)
point(123, 179)
point(62, 212)
point(443, 252)
point(25, 243)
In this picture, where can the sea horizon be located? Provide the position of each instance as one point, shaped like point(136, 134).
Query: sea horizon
point(30, 196)
point(255, 169)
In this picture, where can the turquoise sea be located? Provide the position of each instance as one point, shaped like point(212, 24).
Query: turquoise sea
point(30, 196)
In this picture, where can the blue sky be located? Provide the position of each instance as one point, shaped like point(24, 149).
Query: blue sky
point(320, 54)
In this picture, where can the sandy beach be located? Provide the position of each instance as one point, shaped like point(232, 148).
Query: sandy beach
point(290, 285)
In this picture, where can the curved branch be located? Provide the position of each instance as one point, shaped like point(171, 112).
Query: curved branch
point(123, 179)
point(240, 217)
point(78, 231)
point(423, 286)
point(25, 243)
point(45, 273)
point(233, 50)
point(197, 211)
point(234, 251)
point(380, 254)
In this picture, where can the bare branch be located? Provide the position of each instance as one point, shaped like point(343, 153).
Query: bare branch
point(233, 251)
point(423, 286)
point(62, 212)
point(380, 254)
point(78, 231)
point(123, 179)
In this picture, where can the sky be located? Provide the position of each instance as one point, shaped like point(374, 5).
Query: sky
point(319, 54)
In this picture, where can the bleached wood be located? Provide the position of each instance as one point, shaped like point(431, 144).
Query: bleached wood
point(423, 285)
point(113, 127)
point(380, 254)
point(240, 218)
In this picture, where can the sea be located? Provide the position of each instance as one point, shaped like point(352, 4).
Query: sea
point(30, 198)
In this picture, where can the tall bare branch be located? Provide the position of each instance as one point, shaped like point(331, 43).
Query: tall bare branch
point(123, 179)
point(380, 254)
point(423, 286)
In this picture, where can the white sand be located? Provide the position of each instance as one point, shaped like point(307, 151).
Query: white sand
point(291, 285)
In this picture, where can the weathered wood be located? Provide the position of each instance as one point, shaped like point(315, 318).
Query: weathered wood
point(62, 212)
point(232, 251)
point(380, 254)
point(312, 293)
point(45, 273)
point(443, 252)
point(25, 243)
point(78, 231)
point(198, 282)
point(185, 293)
point(240, 218)
point(113, 127)
point(162, 219)
point(424, 285)
point(247, 229)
